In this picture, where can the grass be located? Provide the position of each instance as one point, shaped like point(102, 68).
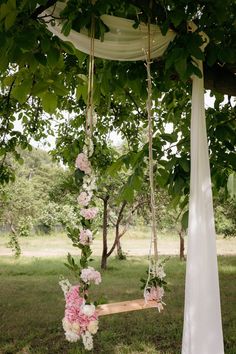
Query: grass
point(32, 305)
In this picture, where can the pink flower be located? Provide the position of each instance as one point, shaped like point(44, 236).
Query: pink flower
point(76, 320)
point(84, 198)
point(89, 213)
point(90, 274)
point(73, 298)
point(85, 237)
point(83, 163)
point(154, 293)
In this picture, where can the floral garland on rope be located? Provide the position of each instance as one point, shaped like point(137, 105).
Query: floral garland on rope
point(81, 320)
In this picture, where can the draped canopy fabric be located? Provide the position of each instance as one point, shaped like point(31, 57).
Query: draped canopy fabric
point(202, 314)
point(123, 42)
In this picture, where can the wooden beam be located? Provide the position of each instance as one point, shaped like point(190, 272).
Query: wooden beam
point(125, 306)
point(220, 79)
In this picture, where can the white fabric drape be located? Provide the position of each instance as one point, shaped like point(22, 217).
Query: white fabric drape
point(202, 315)
point(122, 42)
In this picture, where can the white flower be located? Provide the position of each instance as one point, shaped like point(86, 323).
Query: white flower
point(88, 310)
point(65, 285)
point(87, 340)
point(66, 325)
point(90, 274)
point(75, 327)
point(93, 327)
point(160, 272)
point(72, 336)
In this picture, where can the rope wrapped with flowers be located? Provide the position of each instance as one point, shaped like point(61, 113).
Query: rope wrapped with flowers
point(80, 320)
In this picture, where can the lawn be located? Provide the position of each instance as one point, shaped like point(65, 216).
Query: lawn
point(31, 308)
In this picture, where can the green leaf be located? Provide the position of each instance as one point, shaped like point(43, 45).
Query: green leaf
point(3, 11)
point(79, 175)
point(177, 16)
point(82, 91)
point(115, 167)
point(21, 92)
point(10, 19)
point(68, 47)
point(53, 56)
point(9, 80)
point(59, 88)
point(11, 4)
point(41, 58)
point(49, 102)
point(184, 164)
point(66, 28)
point(181, 67)
point(39, 88)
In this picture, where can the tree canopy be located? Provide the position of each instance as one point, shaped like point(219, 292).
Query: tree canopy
point(42, 77)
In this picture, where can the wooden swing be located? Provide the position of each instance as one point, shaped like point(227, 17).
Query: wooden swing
point(138, 304)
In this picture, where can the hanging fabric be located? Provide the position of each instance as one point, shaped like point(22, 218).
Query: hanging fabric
point(123, 42)
point(202, 314)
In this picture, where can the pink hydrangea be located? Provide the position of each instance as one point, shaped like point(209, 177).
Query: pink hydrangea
point(77, 321)
point(154, 293)
point(90, 274)
point(85, 237)
point(83, 163)
point(84, 198)
point(89, 213)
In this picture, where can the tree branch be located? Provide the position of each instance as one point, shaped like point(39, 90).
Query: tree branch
point(42, 8)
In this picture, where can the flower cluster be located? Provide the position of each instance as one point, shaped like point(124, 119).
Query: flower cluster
point(85, 237)
point(89, 213)
point(82, 162)
point(90, 274)
point(84, 198)
point(80, 321)
point(154, 286)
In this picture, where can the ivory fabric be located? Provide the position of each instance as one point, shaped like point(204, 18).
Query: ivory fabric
point(202, 314)
point(122, 42)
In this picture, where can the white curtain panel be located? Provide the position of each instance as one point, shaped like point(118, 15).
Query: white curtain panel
point(202, 314)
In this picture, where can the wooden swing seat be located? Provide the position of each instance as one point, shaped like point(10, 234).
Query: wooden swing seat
point(124, 306)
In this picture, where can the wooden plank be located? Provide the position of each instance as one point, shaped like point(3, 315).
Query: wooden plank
point(125, 306)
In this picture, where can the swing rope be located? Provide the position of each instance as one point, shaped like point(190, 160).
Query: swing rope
point(90, 105)
point(153, 241)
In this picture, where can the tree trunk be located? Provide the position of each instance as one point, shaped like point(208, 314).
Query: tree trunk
point(118, 248)
point(117, 236)
point(104, 233)
point(181, 245)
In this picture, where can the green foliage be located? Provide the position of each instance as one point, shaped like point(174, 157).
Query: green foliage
point(225, 211)
point(14, 244)
point(27, 201)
